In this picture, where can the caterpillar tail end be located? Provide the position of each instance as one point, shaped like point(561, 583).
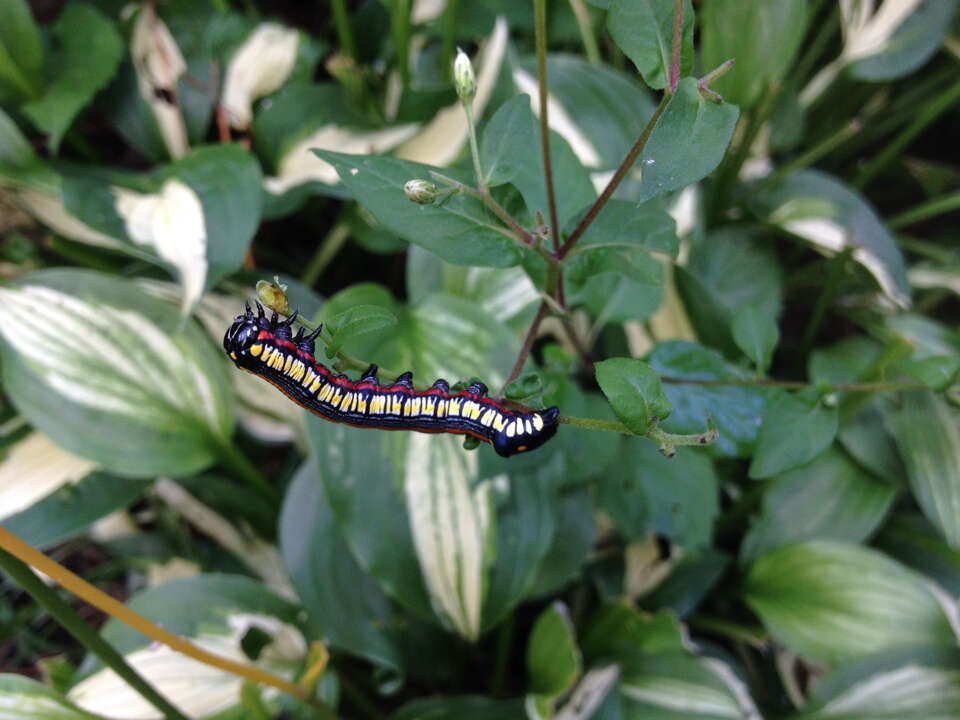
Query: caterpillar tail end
point(526, 431)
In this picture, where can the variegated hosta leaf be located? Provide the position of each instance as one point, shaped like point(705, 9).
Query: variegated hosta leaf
point(48, 208)
point(35, 467)
point(25, 699)
point(450, 519)
point(159, 64)
point(172, 223)
point(198, 689)
point(259, 66)
point(106, 373)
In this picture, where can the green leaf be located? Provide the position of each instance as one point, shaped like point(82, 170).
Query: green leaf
point(796, 428)
point(819, 208)
point(21, 52)
point(573, 538)
point(763, 36)
point(911, 539)
point(633, 389)
point(644, 31)
point(508, 142)
point(728, 270)
point(553, 659)
point(870, 442)
point(834, 602)
point(913, 43)
point(359, 320)
point(937, 373)
point(830, 498)
point(105, 371)
point(618, 632)
point(928, 435)
point(26, 699)
point(736, 411)
point(916, 683)
point(689, 581)
point(688, 141)
point(756, 333)
point(86, 56)
point(69, 511)
point(645, 493)
point(345, 605)
point(460, 230)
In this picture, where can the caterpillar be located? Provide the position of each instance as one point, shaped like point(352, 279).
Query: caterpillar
point(268, 348)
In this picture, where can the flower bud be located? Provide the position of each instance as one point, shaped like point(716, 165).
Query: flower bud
point(420, 191)
point(274, 295)
point(463, 78)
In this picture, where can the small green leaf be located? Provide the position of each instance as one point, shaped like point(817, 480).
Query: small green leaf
point(796, 428)
point(460, 230)
point(359, 320)
point(508, 141)
point(830, 498)
point(756, 333)
point(687, 143)
point(644, 31)
point(554, 663)
point(834, 602)
point(928, 435)
point(762, 35)
point(937, 373)
point(527, 385)
point(633, 389)
point(21, 52)
point(85, 58)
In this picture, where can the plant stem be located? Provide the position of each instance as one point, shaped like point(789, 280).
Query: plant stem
point(237, 462)
point(449, 38)
point(116, 609)
point(328, 250)
point(474, 151)
point(939, 104)
point(527, 346)
point(400, 27)
point(677, 43)
point(665, 440)
point(540, 22)
point(341, 20)
point(617, 178)
point(60, 611)
point(926, 210)
point(585, 24)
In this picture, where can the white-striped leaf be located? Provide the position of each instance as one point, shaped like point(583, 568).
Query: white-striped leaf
point(106, 373)
point(837, 602)
point(258, 67)
point(25, 699)
point(928, 435)
point(450, 520)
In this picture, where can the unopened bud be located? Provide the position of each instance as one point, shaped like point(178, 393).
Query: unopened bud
point(274, 295)
point(463, 78)
point(420, 191)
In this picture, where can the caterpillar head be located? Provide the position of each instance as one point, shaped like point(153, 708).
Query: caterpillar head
point(526, 431)
point(243, 333)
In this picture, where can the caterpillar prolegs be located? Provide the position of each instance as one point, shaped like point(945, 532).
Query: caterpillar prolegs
point(269, 349)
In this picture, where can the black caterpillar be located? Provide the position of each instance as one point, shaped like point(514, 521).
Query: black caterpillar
point(269, 349)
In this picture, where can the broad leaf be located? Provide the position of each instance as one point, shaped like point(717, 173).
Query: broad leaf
point(106, 373)
point(87, 52)
point(928, 435)
point(796, 428)
point(755, 332)
point(830, 498)
point(460, 230)
point(345, 605)
point(24, 699)
point(912, 540)
point(736, 411)
point(633, 390)
point(358, 320)
point(644, 31)
point(554, 663)
point(835, 602)
point(21, 52)
point(687, 143)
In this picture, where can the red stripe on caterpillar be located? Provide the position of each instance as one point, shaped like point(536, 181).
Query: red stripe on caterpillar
point(267, 348)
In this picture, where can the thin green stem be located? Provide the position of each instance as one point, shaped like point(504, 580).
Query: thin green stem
point(474, 150)
point(235, 461)
point(341, 20)
point(809, 157)
point(666, 441)
point(584, 22)
point(49, 600)
point(677, 45)
point(615, 181)
point(527, 346)
point(926, 210)
point(938, 105)
point(400, 27)
point(540, 23)
point(329, 247)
